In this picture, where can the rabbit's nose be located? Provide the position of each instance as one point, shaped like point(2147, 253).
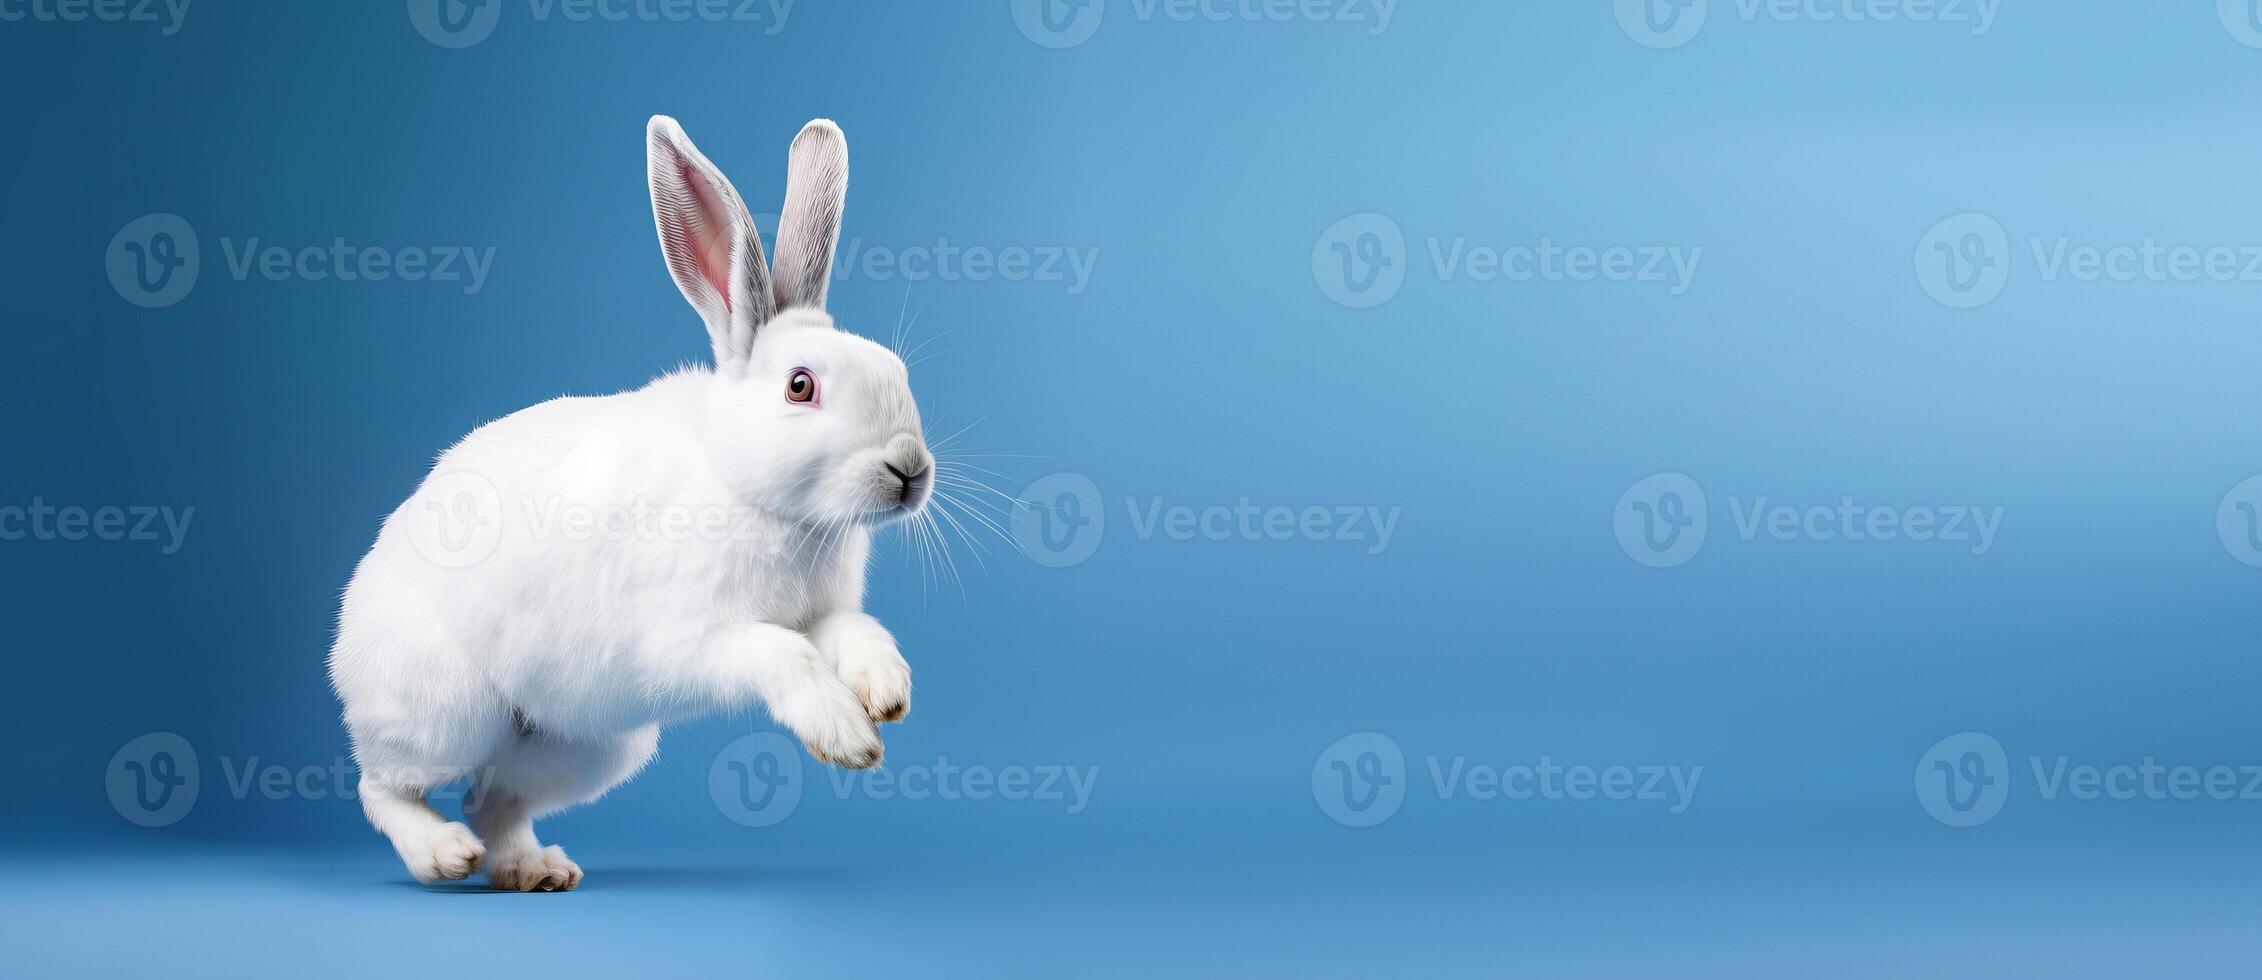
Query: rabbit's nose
point(911, 482)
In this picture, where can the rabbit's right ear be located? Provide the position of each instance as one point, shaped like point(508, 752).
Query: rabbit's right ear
point(709, 240)
point(816, 187)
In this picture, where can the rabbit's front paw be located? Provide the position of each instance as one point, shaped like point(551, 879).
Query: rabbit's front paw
point(880, 678)
point(834, 727)
point(869, 663)
point(849, 748)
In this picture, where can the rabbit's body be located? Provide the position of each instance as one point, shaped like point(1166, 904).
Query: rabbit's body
point(575, 575)
point(575, 627)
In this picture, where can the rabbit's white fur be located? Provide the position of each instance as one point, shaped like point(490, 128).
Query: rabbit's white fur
point(725, 567)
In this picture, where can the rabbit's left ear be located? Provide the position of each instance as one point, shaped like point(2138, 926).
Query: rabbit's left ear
point(816, 189)
point(709, 241)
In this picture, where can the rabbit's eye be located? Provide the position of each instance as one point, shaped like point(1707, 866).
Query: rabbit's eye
point(801, 386)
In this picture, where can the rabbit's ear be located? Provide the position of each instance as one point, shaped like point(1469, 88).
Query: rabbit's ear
point(816, 188)
point(710, 242)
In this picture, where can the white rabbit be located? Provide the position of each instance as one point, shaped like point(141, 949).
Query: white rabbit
point(573, 576)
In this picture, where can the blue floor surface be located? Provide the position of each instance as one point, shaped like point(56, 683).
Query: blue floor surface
point(1167, 897)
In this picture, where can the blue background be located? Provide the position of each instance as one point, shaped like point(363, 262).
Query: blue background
point(1203, 364)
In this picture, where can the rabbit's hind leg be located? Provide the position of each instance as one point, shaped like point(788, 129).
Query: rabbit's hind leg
point(432, 847)
point(396, 775)
point(401, 762)
point(536, 775)
point(421, 716)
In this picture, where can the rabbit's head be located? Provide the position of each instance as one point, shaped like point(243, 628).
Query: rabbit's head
point(806, 420)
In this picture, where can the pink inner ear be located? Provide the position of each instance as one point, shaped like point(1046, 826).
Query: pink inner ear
point(709, 244)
